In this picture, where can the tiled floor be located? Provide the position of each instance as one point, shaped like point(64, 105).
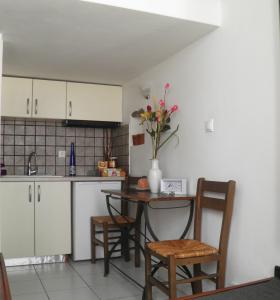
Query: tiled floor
point(76, 281)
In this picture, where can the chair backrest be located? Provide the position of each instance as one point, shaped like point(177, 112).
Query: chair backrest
point(224, 203)
point(129, 181)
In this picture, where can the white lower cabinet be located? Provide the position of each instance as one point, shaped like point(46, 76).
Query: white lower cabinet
point(35, 218)
point(17, 219)
point(52, 218)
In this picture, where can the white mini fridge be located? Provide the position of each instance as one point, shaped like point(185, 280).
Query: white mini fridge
point(88, 201)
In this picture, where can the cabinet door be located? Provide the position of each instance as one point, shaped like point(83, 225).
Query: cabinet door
point(94, 102)
point(17, 219)
point(49, 99)
point(16, 97)
point(52, 218)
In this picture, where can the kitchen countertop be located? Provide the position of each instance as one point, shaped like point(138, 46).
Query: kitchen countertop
point(25, 178)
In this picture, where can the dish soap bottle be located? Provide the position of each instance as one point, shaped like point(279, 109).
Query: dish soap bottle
point(72, 165)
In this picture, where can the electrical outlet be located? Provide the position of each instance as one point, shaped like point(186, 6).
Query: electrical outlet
point(61, 154)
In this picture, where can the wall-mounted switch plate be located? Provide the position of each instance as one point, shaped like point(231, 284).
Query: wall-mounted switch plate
point(61, 154)
point(209, 125)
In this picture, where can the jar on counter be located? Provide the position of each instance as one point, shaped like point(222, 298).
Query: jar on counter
point(113, 162)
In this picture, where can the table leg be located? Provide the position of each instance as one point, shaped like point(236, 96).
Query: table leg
point(125, 231)
point(148, 224)
point(139, 214)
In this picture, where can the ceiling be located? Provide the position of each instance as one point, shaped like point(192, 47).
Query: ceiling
point(82, 41)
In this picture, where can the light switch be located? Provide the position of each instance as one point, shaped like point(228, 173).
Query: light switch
point(61, 154)
point(209, 125)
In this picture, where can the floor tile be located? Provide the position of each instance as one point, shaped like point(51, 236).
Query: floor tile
point(117, 290)
point(54, 270)
point(31, 297)
point(72, 282)
point(76, 294)
point(62, 283)
point(86, 267)
point(28, 274)
point(94, 279)
point(137, 274)
point(20, 268)
point(26, 287)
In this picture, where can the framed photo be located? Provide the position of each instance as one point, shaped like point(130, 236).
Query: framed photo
point(173, 186)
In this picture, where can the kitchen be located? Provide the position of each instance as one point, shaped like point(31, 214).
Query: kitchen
point(73, 73)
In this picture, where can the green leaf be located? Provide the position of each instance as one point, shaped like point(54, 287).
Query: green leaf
point(165, 128)
point(169, 137)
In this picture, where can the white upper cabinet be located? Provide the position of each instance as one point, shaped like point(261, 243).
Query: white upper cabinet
point(24, 97)
point(94, 102)
point(16, 97)
point(49, 99)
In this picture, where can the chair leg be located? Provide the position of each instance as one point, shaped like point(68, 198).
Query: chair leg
point(148, 274)
point(93, 243)
point(125, 238)
point(221, 270)
point(106, 249)
point(196, 285)
point(172, 277)
point(137, 246)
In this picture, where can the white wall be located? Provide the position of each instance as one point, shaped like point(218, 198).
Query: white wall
point(230, 75)
point(1, 59)
point(205, 11)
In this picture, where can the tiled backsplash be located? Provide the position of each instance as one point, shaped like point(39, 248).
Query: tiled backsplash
point(21, 137)
point(120, 139)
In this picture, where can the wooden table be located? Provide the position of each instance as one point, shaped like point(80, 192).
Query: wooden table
point(143, 201)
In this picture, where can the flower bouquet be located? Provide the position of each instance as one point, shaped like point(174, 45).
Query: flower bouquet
point(156, 119)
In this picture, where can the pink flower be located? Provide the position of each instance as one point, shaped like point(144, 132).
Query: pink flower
point(161, 103)
point(174, 108)
point(167, 86)
point(158, 116)
point(149, 108)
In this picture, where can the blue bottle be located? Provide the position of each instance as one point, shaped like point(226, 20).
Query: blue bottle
point(72, 165)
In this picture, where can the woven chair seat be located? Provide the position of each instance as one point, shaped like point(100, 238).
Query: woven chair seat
point(182, 248)
point(107, 219)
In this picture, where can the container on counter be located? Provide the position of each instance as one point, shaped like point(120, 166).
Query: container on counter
point(3, 170)
point(113, 162)
point(72, 163)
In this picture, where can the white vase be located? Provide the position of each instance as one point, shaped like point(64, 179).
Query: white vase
point(154, 177)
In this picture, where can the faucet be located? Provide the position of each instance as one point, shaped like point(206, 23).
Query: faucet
point(29, 170)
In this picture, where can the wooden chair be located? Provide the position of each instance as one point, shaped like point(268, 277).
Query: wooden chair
point(111, 232)
point(108, 227)
point(5, 293)
point(183, 253)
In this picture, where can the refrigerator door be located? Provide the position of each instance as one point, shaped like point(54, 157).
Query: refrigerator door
point(88, 201)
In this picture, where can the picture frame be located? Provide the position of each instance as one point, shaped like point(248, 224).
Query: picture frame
point(173, 186)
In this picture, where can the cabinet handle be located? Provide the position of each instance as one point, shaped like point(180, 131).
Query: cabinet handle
point(70, 108)
point(39, 193)
point(27, 106)
point(30, 194)
point(36, 106)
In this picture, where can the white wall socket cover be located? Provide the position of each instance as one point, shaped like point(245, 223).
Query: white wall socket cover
point(209, 125)
point(61, 154)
